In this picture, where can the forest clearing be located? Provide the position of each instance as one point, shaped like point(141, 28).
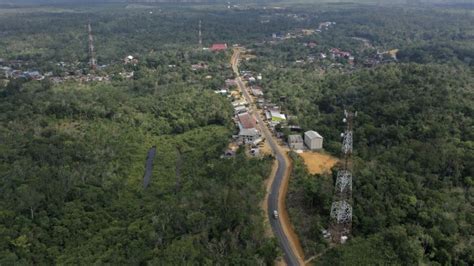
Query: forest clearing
point(318, 163)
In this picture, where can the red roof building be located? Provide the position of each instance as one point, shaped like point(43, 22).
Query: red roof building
point(246, 121)
point(219, 47)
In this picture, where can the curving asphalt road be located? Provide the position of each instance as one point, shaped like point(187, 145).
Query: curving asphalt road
point(273, 198)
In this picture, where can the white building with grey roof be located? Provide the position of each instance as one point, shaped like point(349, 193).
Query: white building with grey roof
point(313, 140)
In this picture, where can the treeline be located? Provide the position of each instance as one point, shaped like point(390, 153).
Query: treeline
point(53, 37)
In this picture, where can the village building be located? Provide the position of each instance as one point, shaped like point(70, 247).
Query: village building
point(256, 91)
point(199, 66)
point(308, 31)
point(240, 109)
point(230, 82)
point(275, 116)
point(130, 60)
point(222, 91)
point(127, 75)
point(241, 102)
point(217, 47)
point(313, 140)
point(249, 135)
point(336, 52)
point(246, 121)
point(295, 142)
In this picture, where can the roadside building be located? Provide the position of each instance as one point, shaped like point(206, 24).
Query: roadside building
point(246, 121)
point(241, 102)
point(256, 91)
point(248, 135)
point(295, 142)
point(276, 116)
point(313, 140)
point(240, 109)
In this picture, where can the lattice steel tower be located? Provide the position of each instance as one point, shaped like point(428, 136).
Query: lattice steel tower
point(200, 35)
point(92, 60)
point(341, 209)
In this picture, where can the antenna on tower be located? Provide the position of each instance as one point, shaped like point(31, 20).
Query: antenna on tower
point(341, 209)
point(200, 35)
point(92, 60)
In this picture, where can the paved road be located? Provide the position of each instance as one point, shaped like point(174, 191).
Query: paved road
point(289, 253)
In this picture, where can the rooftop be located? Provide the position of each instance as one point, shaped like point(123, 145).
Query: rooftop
point(313, 134)
point(218, 47)
point(295, 138)
point(277, 114)
point(248, 132)
point(246, 120)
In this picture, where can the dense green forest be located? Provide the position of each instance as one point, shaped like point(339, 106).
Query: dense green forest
point(73, 154)
point(72, 161)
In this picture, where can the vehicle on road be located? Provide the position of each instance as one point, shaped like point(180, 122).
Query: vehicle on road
point(275, 214)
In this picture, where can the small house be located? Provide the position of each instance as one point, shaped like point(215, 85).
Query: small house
point(313, 140)
point(295, 142)
point(248, 135)
point(256, 91)
point(240, 109)
point(276, 116)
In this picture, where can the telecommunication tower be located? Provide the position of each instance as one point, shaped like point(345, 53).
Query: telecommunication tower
point(341, 209)
point(200, 35)
point(92, 60)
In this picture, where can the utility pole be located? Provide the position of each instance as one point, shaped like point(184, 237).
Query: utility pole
point(200, 35)
point(341, 209)
point(92, 60)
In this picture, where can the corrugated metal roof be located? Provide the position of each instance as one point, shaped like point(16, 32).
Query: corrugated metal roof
point(246, 120)
point(248, 132)
point(295, 138)
point(312, 134)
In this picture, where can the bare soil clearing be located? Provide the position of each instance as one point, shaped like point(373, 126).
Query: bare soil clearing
point(318, 163)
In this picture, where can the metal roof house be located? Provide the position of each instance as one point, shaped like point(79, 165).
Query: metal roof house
point(295, 142)
point(246, 121)
point(248, 135)
point(313, 140)
point(276, 116)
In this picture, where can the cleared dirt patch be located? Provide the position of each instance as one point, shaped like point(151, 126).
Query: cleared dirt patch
point(318, 163)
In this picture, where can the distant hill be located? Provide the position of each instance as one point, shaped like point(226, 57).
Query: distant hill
point(16, 2)
point(223, 1)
